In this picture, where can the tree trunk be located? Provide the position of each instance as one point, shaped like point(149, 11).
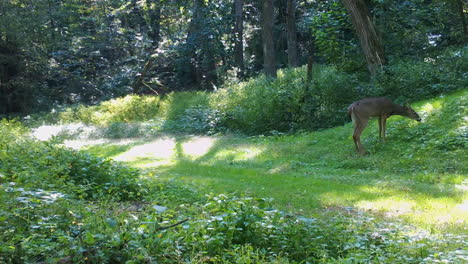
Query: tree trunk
point(370, 42)
point(461, 12)
point(310, 62)
point(269, 60)
point(136, 19)
point(239, 38)
point(201, 48)
point(193, 43)
point(154, 7)
point(292, 35)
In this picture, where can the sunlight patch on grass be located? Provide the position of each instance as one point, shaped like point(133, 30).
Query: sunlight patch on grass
point(79, 144)
point(85, 143)
point(148, 162)
point(46, 132)
point(241, 153)
point(159, 148)
point(426, 211)
point(166, 151)
point(393, 206)
point(198, 146)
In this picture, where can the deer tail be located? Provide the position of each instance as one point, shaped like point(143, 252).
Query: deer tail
point(350, 112)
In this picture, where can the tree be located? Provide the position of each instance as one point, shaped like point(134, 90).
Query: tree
point(292, 33)
point(269, 60)
point(370, 42)
point(460, 8)
point(239, 37)
point(200, 47)
point(154, 9)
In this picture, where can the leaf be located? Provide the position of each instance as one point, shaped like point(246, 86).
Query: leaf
point(89, 239)
point(111, 222)
point(160, 209)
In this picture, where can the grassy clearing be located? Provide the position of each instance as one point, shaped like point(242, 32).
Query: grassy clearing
point(60, 205)
point(419, 175)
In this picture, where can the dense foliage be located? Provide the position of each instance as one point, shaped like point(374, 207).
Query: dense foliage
point(44, 165)
point(45, 219)
point(94, 64)
point(263, 105)
point(58, 205)
point(59, 52)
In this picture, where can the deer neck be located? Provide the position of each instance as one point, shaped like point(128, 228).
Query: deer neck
point(398, 110)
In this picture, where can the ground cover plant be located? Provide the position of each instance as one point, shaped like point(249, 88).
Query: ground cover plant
point(334, 206)
point(217, 132)
point(418, 174)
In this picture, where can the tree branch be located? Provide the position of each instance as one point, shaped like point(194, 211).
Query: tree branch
point(169, 226)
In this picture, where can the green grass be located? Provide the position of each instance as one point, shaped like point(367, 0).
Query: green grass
point(418, 175)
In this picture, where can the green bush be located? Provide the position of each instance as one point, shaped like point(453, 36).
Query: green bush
point(200, 120)
point(417, 79)
point(130, 108)
point(45, 165)
point(288, 103)
point(219, 229)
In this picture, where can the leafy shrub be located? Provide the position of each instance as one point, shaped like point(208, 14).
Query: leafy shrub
point(220, 229)
point(333, 92)
point(44, 165)
point(287, 103)
point(174, 105)
point(124, 109)
point(11, 131)
point(410, 80)
point(200, 120)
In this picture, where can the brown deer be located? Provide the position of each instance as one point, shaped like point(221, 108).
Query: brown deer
point(361, 111)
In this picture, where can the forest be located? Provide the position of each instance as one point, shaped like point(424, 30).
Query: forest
point(158, 131)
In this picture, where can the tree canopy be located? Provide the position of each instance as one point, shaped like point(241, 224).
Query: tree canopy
point(58, 52)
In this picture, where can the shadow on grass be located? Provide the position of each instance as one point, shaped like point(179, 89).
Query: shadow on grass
point(313, 170)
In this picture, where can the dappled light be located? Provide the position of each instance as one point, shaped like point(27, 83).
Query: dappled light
point(47, 132)
point(159, 148)
point(198, 146)
point(393, 205)
point(428, 108)
point(79, 144)
point(241, 153)
point(160, 151)
point(174, 132)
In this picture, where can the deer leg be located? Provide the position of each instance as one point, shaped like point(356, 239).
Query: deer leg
point(360, 125)
point(384, 127)
point(380, 127)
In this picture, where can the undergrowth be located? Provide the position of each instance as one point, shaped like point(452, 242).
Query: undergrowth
point(62, 206)
point(263, 105)
point(58, 205)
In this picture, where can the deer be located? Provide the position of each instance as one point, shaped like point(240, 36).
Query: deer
point(361, 111)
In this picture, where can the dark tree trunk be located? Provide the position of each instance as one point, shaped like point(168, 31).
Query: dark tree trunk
point(310, 64)
point(52, 23)
point(154, 7)
point(269, 60)
point(461, 12)
point(203, 60)
point(370, 42)
point(292, 33)
point(193, 43)
point(136, 20)
point(239, 37)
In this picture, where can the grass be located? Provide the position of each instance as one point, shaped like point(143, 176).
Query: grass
point(419, 175)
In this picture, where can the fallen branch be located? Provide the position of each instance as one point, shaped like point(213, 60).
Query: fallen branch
point(136, 85)
point(169, 226)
